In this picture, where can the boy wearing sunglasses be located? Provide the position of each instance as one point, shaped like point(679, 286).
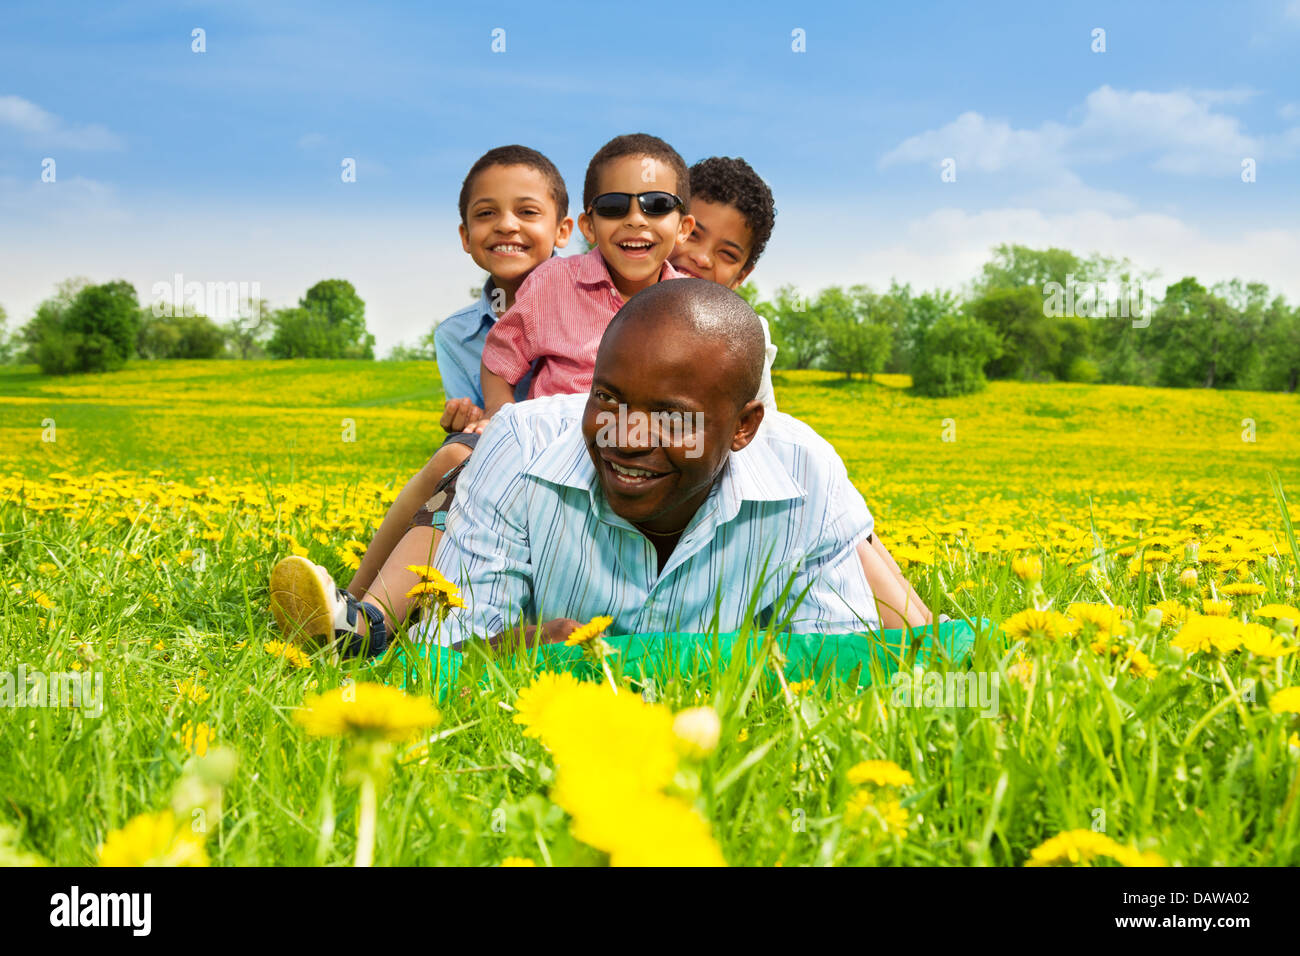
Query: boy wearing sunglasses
point(634, 202)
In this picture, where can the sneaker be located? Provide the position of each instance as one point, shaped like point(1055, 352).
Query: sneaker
point(308, 606)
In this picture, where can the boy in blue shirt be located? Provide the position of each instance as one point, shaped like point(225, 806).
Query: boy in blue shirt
point(514, 213)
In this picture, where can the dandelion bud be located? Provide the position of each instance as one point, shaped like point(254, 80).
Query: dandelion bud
point(1189, 578)
point(1028, 568)
point(697, 729)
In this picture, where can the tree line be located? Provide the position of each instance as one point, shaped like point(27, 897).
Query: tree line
point(1039, 315)
point(1044, 315)
point(84, 327)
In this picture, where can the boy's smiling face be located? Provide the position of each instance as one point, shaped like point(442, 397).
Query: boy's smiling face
point(511, 223)
point(635, 245)
point(718, 247)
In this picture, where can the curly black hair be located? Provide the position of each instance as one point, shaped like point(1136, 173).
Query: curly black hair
point(722, 179)
point(636, 144)
point(517, 156)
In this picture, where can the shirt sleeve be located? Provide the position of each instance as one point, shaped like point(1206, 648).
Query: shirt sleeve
point(486, 548)
point(509, 350)
point(839, 599)
point(457, 379)
point(766, 393)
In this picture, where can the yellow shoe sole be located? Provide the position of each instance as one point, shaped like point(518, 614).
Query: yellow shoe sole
point(299, 602)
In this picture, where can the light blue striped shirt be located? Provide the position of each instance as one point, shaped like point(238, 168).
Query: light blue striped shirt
point(530, 536)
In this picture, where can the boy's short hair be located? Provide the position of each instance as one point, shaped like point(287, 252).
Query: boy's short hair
point(733, 182)
point(517, 156)
point(636, 144)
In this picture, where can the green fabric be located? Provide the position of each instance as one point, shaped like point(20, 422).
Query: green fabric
point(848, 656)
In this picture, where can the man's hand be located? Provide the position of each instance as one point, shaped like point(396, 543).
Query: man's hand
point(459, 414)
point(551, 632)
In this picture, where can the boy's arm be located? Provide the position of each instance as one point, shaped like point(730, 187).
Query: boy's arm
point(509, 351)
point(496, 391)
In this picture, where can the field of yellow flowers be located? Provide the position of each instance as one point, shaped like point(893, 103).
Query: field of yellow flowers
point(1138, 700)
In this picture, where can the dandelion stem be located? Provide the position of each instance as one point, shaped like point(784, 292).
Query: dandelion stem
point(366, 822)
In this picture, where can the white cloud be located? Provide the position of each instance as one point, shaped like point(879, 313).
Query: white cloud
point(1292, 11)
point(310, 140)
point(42, 128)
point(1180, 132)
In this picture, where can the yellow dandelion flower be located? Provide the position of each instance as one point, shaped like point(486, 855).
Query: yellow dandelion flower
point(43, 600)
point(1172, 614)
point(196, 737)
point(1264, 642)
point(1027, 568)
point(533, 701)
point(190, 690)
point(517, 861)
point(1207, 634)
point(1278, 612)
point(153, 839)
point(366, 710)
point(877, 814)
point(1217, 608)
point(1038, 625)
point(592, 629)
point(1103, 618)
point(1285, 701)
point(1081, 847)
point(1243, 589)
point(880, 773)
point(802, 686)
point(1188, 578)
point(289, 652)
point(348, 559)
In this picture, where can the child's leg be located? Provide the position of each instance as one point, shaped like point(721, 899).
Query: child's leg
point(393, 528)
point(389, 589)
point(899, 604)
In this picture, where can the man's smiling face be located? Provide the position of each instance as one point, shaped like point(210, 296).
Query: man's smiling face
point(656, 368)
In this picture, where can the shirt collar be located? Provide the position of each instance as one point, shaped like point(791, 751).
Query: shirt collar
point(592, 270)
point(752, 474)
point(486, 316)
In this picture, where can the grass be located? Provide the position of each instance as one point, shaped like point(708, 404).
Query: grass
point(138, 543)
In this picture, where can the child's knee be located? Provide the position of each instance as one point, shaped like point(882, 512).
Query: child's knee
point(444, 460)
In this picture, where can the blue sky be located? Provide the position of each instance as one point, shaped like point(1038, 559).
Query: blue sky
point(224, 166)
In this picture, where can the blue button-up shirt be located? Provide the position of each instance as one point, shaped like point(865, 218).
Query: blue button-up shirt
point(459, 340)
point(530, 536)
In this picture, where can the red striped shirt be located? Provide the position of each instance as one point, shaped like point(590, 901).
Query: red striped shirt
point(560, 313)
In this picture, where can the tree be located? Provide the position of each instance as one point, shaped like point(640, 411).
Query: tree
point(7, 341)
point(329, 322)
point(952, 357)
point(1016, 267)
point(246, 332)
point(84, 328)
point(1030, 341)
point(858, 328)
point(179, 337)
point(795, 333)
point(1281, 348)
point(1206, 339)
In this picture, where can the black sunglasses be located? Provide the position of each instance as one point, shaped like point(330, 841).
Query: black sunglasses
point(613, 205)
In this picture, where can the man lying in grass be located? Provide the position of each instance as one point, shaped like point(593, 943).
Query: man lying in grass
point(663, 497)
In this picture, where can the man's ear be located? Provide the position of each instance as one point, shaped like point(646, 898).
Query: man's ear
point(751, 416)
point(464, 237)
point(563, 231)
point(588, 228)
point(737, 282)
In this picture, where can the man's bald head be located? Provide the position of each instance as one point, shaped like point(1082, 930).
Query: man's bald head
point(726, 331)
